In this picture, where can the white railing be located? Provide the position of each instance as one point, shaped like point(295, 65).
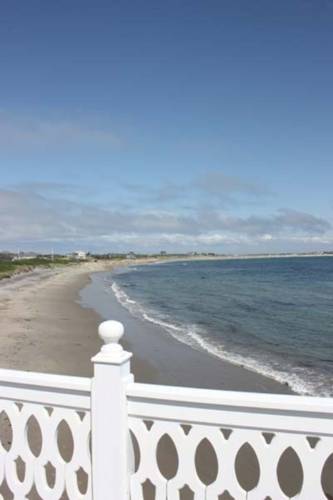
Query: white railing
point(222, 425)
point(108, 438)
point(36, 411)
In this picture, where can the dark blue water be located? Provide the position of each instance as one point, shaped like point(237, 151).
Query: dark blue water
point(274, 316)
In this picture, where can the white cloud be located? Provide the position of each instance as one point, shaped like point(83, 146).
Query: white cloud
point(27, 216)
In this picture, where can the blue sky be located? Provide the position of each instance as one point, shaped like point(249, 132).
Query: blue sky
point(166, 125)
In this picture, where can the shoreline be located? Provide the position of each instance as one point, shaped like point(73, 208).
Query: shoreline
point(159, 358)
point(49, 320)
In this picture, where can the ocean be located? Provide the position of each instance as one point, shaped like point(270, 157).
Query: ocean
point(273, 316)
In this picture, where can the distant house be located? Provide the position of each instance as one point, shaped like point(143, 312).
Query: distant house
point(131, 255)
point(25, 256)
point(79, 255)
point(163, 252)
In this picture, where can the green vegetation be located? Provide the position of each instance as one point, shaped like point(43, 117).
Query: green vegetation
point(8, 267)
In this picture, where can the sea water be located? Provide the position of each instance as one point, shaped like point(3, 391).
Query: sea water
point(273, 315)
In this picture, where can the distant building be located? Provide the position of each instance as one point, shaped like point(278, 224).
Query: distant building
point(25, 256)
point(79, 255)
point(163, 252)
point(131, 255)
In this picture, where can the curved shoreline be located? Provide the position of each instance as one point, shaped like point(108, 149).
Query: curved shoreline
point(162, 359)
point(48, 323)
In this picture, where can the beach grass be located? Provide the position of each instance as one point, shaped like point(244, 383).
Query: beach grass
point(9, 268)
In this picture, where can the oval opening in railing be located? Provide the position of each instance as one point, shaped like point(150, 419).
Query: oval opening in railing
point(247, 467)
point(34, 435)
point(290, 473)
point(206, 462)
point(167, 457)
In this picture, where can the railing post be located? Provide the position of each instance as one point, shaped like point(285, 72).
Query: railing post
point(110, 469)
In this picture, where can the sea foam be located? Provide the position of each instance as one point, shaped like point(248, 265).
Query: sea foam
point(198, 338)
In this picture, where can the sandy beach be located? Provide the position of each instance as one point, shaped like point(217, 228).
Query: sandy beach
point(42, 327)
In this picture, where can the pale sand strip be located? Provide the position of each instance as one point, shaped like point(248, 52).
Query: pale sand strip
point(42, 326)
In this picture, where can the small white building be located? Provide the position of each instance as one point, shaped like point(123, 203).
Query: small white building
point(79, 255)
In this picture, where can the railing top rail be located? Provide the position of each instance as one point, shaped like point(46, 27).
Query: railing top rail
point(270, 412)
point(40, 379)
point(232, 399)
point(46, 389)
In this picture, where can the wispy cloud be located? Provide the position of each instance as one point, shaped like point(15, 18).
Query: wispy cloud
point(213, 188)
point(32, 133)
point(217, 183)
point(29, 216)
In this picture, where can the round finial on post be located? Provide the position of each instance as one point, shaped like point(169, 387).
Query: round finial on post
point(111, 332)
